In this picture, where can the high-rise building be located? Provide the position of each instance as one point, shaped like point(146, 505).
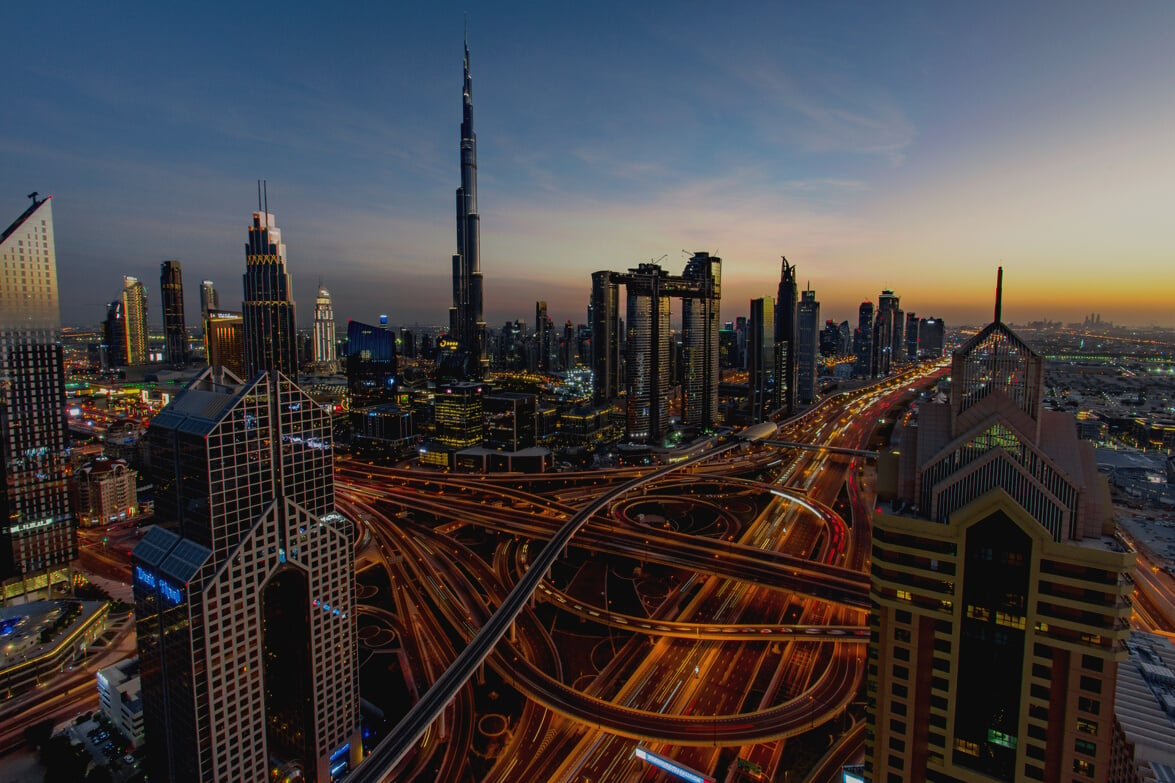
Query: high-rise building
point(134, 320)
point(542, 331)
point(863, 341)
point(785, 335)
point(324, 328)
point(605, 324)
point(930, 337)
point(38, 536)
point(245, 593)
point(466, 323)
point(175, 335)
point(371, 363)
point(510, 421)
point(114, 336)
point(999, 601)
point(807, 347)
point(700, 328)
point(886, 333)
point(270, 334)
point(830, 339)
point(911, 337)
point(647, 360)
point(209, 299)
point(459, 412)
point(761, 359)
point(224, 341)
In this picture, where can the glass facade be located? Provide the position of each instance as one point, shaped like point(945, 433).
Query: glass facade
point(270, 334)
point(371, 363)
point(175, 336)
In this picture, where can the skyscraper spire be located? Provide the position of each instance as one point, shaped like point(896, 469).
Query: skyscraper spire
point(999, 293)
point(466, 325)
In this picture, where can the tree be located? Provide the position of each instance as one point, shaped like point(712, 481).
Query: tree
point(38, 733)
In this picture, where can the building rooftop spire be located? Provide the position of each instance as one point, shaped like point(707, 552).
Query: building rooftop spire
point(999, 293)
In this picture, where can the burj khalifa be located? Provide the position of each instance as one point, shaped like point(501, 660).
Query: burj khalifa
point(466, 324)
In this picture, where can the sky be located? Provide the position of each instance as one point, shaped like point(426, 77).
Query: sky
point(909, 146)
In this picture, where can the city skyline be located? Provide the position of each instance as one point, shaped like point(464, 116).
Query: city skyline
point(904, 149)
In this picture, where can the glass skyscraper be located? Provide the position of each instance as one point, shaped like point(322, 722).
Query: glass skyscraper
point(270, 334)
point(171, 281)
point(37, 530)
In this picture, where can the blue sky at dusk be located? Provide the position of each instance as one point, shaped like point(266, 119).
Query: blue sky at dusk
point(907, 146)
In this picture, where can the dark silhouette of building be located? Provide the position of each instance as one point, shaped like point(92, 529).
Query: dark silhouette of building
point(830, 339)
point(931, 337)
point(543, 328)
point(510, 421)
point(887, 334)
point(114, 334)
point(38, 533)
point(466, 324)
point(209, 298)
point(785, 335)
point(863, 342)
point(765, 392)
point(700, 328)
point(911, 337)
point(371, 363)
point(605, 342)
point(175, 335)
point(271, 339)
point(806, 347)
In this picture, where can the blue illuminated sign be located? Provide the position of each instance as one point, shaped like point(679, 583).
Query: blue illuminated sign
point(671, 767)
point(144, 576)
point(172, 594)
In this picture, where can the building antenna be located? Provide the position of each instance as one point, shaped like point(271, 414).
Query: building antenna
point(265, 186)
point(999, 293)
point(258, 195)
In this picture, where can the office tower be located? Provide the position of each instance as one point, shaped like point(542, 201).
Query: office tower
point(740, 339)
point(466, 324)
point(830, 339)
point(999, 602)
point(886, 337)
point(785, 335)
point(324, 328)
point(807, 348)
point(605, 323)
point(761, 359)
point(700, 327)
point(224, 341)
point(407, 343)
point(930, 338)
point(175, 335)
point(209, 299)
point(38, 537)
point(510, 421)
point(134, 320)
point(647, 359)
point(459, 412)
point(911, 336)
point(114, 334)
point(244, 593)
point(863, 341)
point(846, 338)
point(542, 331)
point(371, 363)
point(270, 335)
point(567, 347)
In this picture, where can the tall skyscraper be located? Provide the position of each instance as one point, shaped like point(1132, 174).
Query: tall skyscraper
point(324, 328)
point(647, 360)
point(542, 331)
point(605, 323)
point(244, 593)
point(886, 336)
point(807, 346)
point(466, 323)
point(930, 337)
point(114, 334)
point(700, 311)
point(175, 335)
point(911, 337)
point(134, 319)
point(785, 335)
point(761, 359)
point(38, 535)
point(270, 336)
point(863, 341)
point(209, 299)
point(999, 599)
point(371, 363)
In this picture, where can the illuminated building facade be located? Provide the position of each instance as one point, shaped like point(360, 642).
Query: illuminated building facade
point(863, 341)
point(999, 602)
point(270, 336)
point(244, 593)
point(38, 537)
point(459, 413)
point(134, 321)
point(175, 335)
point(209, 298)
point(647, 354)
point(324, 328)
point(700, 330)
point(224, 341)
point(605, 342)
point(104, 492)
point(371, 363)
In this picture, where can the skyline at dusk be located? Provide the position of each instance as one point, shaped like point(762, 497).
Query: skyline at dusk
point(909, 148)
